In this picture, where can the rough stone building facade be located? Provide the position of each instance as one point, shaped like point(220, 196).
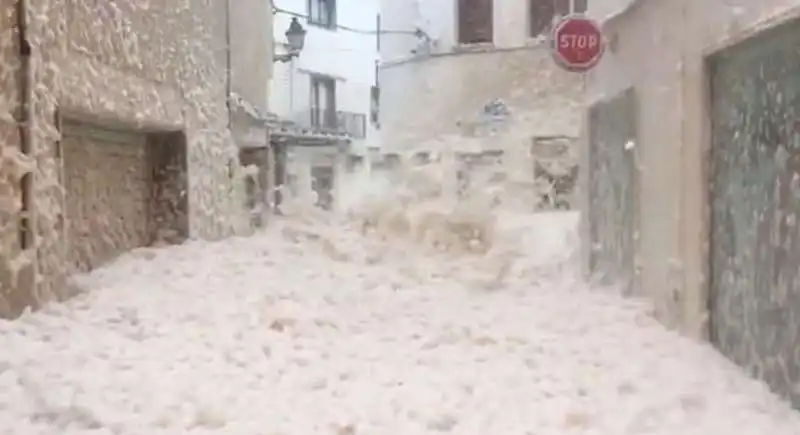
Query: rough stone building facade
point(113, 135)
point(692, 157)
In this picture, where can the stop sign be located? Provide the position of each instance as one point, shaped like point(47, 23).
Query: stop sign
point(577, 43)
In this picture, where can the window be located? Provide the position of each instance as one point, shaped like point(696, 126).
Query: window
point(543, 12)
point(375, 106)
point(378, 33)
point(323, 102)
point(422, 158)
point(322, 13)
point(354, 162)
point(475, 22)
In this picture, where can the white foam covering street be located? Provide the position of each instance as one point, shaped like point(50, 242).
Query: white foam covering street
point(325, 325)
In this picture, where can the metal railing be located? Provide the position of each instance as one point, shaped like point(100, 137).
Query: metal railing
point(350, 123)
point(354, 124)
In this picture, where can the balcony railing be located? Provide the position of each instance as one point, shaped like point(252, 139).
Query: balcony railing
point(350, 123)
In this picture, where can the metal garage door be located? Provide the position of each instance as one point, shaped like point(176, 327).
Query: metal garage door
point(613, 192)
point(107, 189)
point(755, 240)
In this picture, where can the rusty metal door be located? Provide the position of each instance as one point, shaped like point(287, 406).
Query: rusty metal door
point(755, 200)
point(613, 193)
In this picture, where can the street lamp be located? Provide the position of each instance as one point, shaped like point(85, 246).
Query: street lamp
point(296, 37)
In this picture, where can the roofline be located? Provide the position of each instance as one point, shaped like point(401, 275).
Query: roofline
point(612, 19)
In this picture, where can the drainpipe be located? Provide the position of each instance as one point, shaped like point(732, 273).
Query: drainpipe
point(228, 90)
point(25, 120)
point(292, 70)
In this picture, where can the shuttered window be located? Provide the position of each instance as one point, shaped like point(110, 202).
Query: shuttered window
point(475, 21)
point(562, 7)
point(540, 18)
point(542, 13)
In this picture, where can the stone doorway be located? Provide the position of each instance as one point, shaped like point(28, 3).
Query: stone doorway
point(107, 186)
point(322, 185)
point(124, 189)
point(257, 183)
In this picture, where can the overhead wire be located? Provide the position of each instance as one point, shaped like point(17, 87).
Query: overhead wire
point(419, 33)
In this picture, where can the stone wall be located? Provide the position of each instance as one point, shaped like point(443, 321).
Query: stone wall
point(17, 265)
point(141, 65)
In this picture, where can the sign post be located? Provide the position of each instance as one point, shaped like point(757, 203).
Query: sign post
point(577, 43)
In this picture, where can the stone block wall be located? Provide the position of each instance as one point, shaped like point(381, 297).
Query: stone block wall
point(142, 65)
point(17, 258)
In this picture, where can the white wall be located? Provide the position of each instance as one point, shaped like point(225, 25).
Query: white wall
point(438, 19)
point(604, 9)
point(432, 101)
point(251, 51)
point(348, 56)
point(428, 99)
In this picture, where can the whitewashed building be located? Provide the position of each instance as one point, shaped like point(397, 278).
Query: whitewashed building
point(441, 90)
point(327, 91)
point(474, 52)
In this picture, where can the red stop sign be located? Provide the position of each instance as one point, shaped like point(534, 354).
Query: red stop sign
point(577, 43)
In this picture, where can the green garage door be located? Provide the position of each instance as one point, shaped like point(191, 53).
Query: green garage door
point(755, 191)
point(613, 193)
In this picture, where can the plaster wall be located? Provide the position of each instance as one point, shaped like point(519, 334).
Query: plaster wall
point(665, 63)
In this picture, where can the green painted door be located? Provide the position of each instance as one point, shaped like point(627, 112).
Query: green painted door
point(755, 200)
point(613, 208)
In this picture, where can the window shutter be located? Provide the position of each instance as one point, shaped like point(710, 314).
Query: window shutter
point(475, 21)
point(562, 7)
point(541, 13)
point(581, 6)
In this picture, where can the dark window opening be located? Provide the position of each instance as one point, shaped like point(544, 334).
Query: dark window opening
point(475, 22)
point(375, 106)
point(542, 13)
point(25, 230)
point(323, 102)
point(322, 13)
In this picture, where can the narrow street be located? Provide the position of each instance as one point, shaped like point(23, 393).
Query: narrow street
point(315, 328)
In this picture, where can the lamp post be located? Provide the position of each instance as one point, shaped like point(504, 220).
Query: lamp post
point(296, 38)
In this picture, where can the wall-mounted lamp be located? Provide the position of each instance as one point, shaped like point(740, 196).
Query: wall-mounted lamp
point(296, 37)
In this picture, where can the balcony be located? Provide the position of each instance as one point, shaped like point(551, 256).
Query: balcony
point(337, 121)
